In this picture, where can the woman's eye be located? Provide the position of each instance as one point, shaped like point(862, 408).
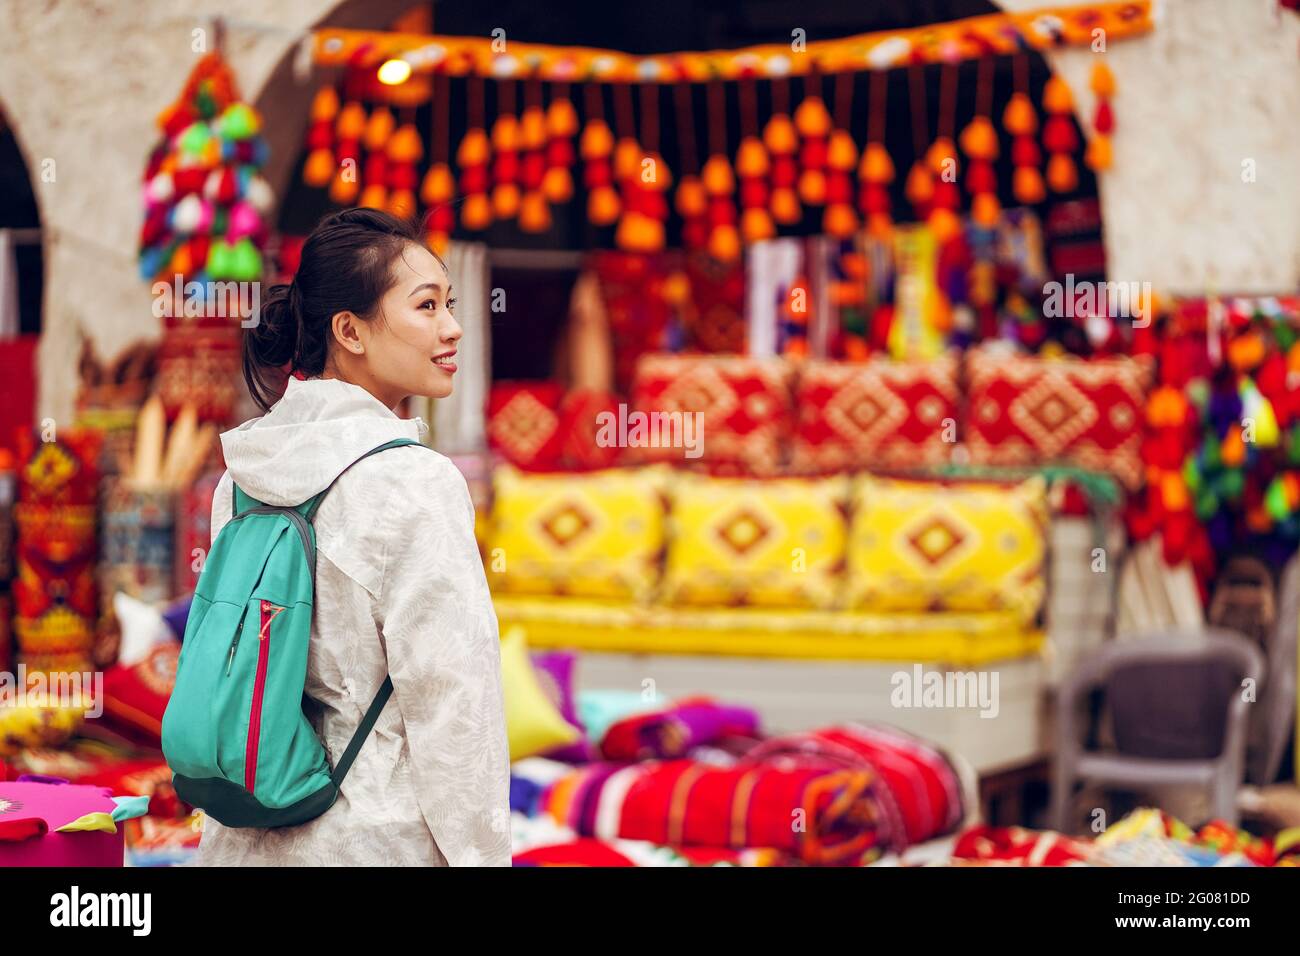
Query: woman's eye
point(451, 305)
point(429, 304)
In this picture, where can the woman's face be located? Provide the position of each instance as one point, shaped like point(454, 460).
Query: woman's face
point(409, 346)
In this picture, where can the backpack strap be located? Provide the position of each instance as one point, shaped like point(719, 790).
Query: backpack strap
point(308, 507)
point(362, 732)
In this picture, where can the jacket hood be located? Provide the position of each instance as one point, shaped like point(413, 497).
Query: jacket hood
point(319, 428)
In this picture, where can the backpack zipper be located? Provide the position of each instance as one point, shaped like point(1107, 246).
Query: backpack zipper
point(269, 613)
point(234, 644)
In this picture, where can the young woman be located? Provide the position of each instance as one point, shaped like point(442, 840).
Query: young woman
point(400, 587)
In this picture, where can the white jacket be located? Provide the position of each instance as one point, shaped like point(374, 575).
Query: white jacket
point(400, 590)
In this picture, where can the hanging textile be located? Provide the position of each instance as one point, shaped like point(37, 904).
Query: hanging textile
point(772, 270)
point(458, 422)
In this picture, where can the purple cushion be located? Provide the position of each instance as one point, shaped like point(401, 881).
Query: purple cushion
point(555, 673)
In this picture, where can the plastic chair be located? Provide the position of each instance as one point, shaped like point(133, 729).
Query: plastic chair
point(1178, 714)
point(1276, 712)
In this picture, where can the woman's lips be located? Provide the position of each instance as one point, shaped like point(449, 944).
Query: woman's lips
point(448, 367)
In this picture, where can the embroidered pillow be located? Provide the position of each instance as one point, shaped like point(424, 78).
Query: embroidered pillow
point(1024, 410)
point(877, 414)
point(597, 534)
point(921, 546)
point(768, 543)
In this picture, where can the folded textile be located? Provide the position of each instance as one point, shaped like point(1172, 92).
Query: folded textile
point(818, 815)
point(1016, 846)
point(921, 797)
point(672, 731)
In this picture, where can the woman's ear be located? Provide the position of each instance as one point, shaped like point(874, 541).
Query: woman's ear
point(346, 327)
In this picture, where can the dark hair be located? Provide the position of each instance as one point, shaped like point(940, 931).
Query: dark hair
point(346, 265)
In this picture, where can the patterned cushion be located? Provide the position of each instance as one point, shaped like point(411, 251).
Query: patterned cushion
point(523, 423)
point(1024, 410)
point(875, 414)
point(746, 406)
point(774, 543)
point(580, 427)
point(916, 546)
point(599, 534)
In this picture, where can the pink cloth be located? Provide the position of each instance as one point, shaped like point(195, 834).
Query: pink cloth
point(32, 810)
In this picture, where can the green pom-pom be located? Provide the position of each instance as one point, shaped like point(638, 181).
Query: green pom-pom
point(1275, 501)
point(245, 261)
point(1191, 474)
point(1198, 393)
point(194, 138)
point(1231, 484)
point(1207, 504)
point(238, 122)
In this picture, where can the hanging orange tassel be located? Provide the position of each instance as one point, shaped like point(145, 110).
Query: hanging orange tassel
point(561, 127)
point(876, 169)
point(596, 146)
point(320, 165)
point(438, 188)
point(505, 167)
point(813, 123)
point(473, 156)
point(1021, 122)
point(979, 141)
point(840, 220)
point(1059, 137)
point(719, 184)
point(1102, 83)
point(690, 199)
point(348, 131)
point(534, 209)
point(404, 152)
point(752, 167)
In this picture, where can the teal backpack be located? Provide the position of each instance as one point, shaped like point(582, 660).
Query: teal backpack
point(234, 733)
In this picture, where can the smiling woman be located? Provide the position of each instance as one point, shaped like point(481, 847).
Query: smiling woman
point(400, 593)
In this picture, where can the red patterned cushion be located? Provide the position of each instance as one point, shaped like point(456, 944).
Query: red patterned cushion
point(524, 423)
point(875, 414)
point(747, 408)
point(135, 697)
point(1024, 410)
point(580, 427)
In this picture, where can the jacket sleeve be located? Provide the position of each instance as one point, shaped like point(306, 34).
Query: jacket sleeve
point(440, 634)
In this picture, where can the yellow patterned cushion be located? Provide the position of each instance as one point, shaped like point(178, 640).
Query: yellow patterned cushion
point(764, 543)
point(595, 534)
point(916, 546)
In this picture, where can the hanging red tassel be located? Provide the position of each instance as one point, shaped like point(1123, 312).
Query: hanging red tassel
point(403, 154)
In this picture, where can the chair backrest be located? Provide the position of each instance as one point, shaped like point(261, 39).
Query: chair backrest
point(1174, 696)
point(1276, 713)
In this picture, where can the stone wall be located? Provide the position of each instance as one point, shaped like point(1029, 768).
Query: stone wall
point(81, 83)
